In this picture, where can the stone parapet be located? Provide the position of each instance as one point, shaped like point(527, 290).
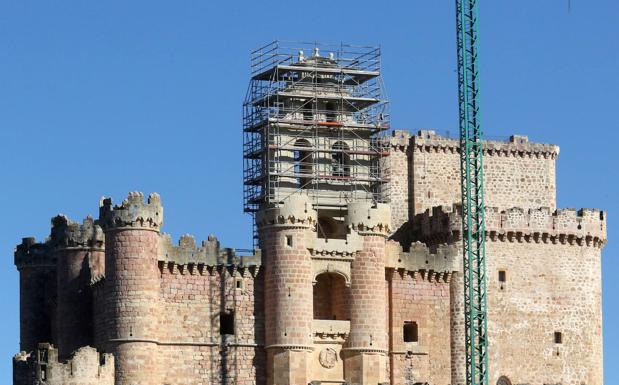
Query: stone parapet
point(31, 253)
point(66, 233)
point(208, 253)
point(399, 140)
point(132, 212)
point(444, 224)
point(433, 264)
point(296, 212)
point(369, 219)
point(346, 248)
point(516, 146)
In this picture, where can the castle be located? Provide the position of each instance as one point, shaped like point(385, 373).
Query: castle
point(356, 276)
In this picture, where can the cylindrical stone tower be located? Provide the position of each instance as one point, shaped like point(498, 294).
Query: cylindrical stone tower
point(37, 285)
point(132, 286)
point(285, 232)
point(76, 247)
point(365, 357)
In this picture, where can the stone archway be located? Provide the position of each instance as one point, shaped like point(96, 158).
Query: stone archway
point(331, 297)
point(331, 326)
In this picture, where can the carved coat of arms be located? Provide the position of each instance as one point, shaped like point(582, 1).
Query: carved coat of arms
point(327, 358)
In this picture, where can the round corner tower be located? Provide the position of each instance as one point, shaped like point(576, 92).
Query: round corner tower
point(37, 287)
point(315, 178)
point(132, 285)
point(286, 233)
point(366, 353)
point(79, 253)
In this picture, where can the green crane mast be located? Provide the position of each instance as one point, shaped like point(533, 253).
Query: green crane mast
point(473, 229)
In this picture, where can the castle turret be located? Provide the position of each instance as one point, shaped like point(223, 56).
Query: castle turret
point(286, 233)
point(315, 178)
point(365, 357)
point(37, 293)
point(132, 285)
point(79, 252)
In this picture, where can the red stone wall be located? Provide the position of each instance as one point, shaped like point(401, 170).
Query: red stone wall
point(417, 299)
point(192, 349)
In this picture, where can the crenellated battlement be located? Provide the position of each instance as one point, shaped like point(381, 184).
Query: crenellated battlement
point(444, 224)
point(431, 142)
point(30, 253)
point(369, 219)
point(432, 264)
point(86, 366)
point(132, 212)
point(66, 233)
point(296, 211)
point(399, 140)
point(208, 253)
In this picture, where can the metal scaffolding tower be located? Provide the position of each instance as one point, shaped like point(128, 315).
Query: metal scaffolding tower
point(475, 308)
point(313, 121)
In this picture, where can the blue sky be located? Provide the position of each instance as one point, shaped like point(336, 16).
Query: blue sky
point(102, 98)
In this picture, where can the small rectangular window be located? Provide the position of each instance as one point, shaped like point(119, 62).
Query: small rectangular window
point(502, 276)
point(238, 283)
point(289, 240)
point(411, 332)
point(558, 338)
point(226, 323)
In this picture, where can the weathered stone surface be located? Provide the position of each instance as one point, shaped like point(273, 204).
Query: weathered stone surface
point(42, 367)
point(311, 307)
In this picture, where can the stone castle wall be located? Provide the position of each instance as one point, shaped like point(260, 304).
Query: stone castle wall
point(424, 301)
point(192, 346)
point(201, 314)
point(550, 288)
point(425, 172)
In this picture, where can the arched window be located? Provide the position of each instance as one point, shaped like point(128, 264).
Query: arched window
point(308, 111)
point(303, 163)
point(331, 297)
point(340, 159)
point(503, 381)
point(331, 112)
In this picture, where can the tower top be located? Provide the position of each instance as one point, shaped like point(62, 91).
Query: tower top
point(314, 117)
point(132, 212)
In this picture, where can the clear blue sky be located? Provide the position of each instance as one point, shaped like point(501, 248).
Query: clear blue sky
point(105, 97)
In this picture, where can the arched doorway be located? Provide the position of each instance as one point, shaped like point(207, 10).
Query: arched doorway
point(331, 297)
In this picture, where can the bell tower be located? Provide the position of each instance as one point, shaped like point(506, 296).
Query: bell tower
point(315, 179)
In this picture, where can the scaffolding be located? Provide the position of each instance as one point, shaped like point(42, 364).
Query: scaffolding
point(314, 120)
